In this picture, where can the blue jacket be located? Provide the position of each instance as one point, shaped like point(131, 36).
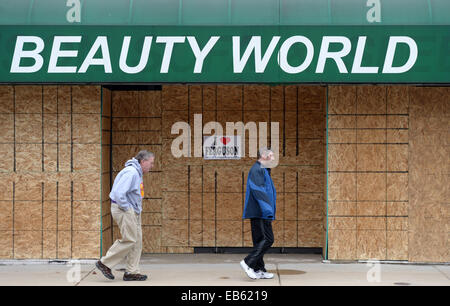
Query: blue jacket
point(260, 196)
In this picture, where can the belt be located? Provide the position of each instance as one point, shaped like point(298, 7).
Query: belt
point(112, 201)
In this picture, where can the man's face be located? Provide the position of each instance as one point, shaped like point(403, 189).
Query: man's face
point(267, 160)
point(147, 164)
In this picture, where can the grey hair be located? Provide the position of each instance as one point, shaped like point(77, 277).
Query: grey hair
point(264, 151)
point(144, 155)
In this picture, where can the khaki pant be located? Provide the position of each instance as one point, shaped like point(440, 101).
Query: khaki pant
point(130, 246)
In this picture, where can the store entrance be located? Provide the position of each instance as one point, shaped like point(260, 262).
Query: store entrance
point(193, 204)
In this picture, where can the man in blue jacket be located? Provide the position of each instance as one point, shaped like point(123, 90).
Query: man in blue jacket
point(260, 208)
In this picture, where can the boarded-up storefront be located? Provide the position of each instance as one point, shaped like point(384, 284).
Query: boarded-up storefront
point(362, 106)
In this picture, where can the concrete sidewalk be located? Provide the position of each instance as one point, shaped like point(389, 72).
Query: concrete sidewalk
point(224, 270)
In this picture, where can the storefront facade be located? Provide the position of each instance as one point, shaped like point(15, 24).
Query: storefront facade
point(363, 114)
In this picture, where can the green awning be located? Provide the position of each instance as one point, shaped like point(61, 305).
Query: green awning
point(225, 12)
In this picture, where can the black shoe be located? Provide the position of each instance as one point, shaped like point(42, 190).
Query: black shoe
point(134, 277)
point(104, 269)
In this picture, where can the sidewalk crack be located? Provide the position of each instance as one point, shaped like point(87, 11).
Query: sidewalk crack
point(278, 274)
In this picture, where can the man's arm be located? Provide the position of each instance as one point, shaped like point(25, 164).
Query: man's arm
point(257, 185)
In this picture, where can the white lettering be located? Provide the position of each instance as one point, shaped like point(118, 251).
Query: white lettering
point(282, 56)
point(100, 43)
point(336, 56)
point(144, 55)
point(393, 41)
point(201, 54)
point(169, 41)
point(56, 53)
point(19, 53)
point(359, 56)
point(254, 44)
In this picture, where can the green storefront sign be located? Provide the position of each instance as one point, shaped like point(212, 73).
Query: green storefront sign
point(270, 54)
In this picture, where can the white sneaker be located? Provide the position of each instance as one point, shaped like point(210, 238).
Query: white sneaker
point(250, 272)
point(265, 275)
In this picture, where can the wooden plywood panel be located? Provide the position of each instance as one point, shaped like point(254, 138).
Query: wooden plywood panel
point(276, 97)
point(371, 136)
point(370, 122)
point(150, 103)
point(7, 128)
point(49, 215)
point(312, 98)
point(371, 99)
point(371, 244)
point(87, 158)
point(310, 233)
point(371, 157)
point(28, 128)
point(175, 233)
point(209, 233)
point(371, 209)
point(175, 205)
point(256, 97)
point(125, 103)
point(86, 187)
point(397, 245)
point(151, 239)
point(311, 151)
point(85, 215)
point(175, 179)
point(371, 186)
point(86, 128)
point(342, 122)
point(6, 215)
point(229, 97)
point(341, 99)
point(27, 244)
point(6, 99)
point(336, 136)
point(169, 118)
point(86, 99)
point(152, 185)
point(49, 244)
point(28, 187)
point(195, 206)
point(341, 157)
point(28, 99)
point(175, 97)
point(397, 99)
point(195, 233)
point(397, 187)
point(290, 98)
point(229, 206)
point(229, 233)
point(6, 157)
point(397, 157)
point(85, 244)
point(311, 124)
point(290, 233)
point(310, 206)
point(342, 186)
point(341, 208)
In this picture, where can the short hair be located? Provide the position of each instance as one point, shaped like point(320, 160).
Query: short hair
point(264, 151)
point(144, 155)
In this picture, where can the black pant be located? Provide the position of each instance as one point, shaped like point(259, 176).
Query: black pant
point(262, 236)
